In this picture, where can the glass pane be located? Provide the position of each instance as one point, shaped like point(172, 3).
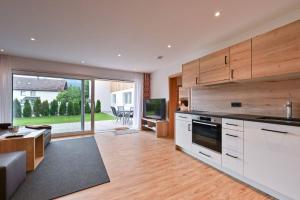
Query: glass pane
point(116, 104)
point(47, 101)
point(87, 105)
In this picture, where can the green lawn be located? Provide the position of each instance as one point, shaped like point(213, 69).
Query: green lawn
point(59, 119)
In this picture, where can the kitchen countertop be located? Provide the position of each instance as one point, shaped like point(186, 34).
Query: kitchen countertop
point(255, 118)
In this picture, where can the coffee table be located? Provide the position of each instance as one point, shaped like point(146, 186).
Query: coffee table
point(32, 143)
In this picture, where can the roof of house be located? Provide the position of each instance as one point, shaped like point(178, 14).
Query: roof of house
point(39, 84)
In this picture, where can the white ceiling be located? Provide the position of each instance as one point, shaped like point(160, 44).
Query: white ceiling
point(96, 31)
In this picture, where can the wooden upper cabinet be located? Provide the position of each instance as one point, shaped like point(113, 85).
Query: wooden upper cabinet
point(214, 68)
point(277, 52)
point(190, 74)
point(240, 61)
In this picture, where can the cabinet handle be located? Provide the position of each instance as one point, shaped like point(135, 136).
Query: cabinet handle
point(225, 60)
point(231, 73)
point(227, 154)
point(196, 80)
point(189, 127)
point(182, 117)
point(264, 129)
point(204, 154)
point(231, 135)
point(232, 124)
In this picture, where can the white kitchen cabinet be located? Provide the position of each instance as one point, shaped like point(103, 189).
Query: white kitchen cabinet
point(207, 155)
point(233, 160)
point(233, 124)
point(183, 131)
point(271, 157)
point(233, 145)
point(233, 140)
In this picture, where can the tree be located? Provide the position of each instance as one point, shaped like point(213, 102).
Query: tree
point(37, 107)
point(27, 111)
point(77, 109)
point(45, 108)
point(98, 107)
point(72, 94)
point(87, 107)
point(70, 110)
point(17, 109)
point(54, 108)
point(62, 108)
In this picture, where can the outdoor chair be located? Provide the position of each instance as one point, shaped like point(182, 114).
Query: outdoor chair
point(118, 116)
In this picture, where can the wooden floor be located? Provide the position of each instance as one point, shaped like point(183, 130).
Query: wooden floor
point(141, 166)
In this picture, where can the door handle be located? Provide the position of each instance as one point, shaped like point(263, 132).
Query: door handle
point(203, 123)
point(182, 117)
point(231, 135)
point(227, 154)
point(232, 124)
point(231, 73)
point(204, 154)
point(274, 131)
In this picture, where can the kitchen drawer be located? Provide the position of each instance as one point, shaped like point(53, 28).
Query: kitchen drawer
point(233, 160)
point(233, 140)
point(233, 124)
point(184, 117)
point(205, 154)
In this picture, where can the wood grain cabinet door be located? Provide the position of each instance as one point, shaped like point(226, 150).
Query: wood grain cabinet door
point(277, 52)
point(214, 68)
point(240, 61)
point(190, 74)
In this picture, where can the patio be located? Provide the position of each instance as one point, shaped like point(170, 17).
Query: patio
point(100, 126)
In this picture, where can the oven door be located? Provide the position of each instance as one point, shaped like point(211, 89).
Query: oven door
point(207, 134)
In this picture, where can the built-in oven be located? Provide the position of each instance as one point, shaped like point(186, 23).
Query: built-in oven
point(207, 132)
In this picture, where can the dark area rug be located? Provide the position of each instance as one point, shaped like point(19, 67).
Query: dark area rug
point(69, 166)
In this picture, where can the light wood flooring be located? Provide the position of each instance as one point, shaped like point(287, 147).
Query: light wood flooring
point(141, 166)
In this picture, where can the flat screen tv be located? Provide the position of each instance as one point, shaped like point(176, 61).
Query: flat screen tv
point(155, 108)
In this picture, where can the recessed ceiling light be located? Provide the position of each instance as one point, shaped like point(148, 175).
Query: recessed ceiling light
point(2, 50)
point(160, 57)
point(217, 14)
point(82, 61)
point(169, 46)
point(32, 39)
point(119, 55)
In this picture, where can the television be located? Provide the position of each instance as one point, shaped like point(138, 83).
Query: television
point(155, 108)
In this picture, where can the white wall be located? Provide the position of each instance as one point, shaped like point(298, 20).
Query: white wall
point(159, 78)
point(102, 93)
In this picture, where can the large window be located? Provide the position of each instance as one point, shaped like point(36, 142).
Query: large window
point(113, 99)
point(127, 97)
point(60, 102)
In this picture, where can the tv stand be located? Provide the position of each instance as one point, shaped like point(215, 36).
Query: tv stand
point(160, 127)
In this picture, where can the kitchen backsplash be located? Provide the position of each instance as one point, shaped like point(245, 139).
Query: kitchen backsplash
point(261, 98)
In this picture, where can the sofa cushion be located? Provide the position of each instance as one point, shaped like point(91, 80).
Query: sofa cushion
point(12, 172)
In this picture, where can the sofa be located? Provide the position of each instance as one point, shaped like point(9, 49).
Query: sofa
point(12, 172)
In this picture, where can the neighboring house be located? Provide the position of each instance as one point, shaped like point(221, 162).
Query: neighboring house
point(123, 98)
point(114, 93)
point(32, 88)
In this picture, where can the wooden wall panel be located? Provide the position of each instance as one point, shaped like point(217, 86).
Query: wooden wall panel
point(261, 98)
point(147, 86)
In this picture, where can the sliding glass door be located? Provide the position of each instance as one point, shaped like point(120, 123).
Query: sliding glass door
point(63, 103)
point(114, 105)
